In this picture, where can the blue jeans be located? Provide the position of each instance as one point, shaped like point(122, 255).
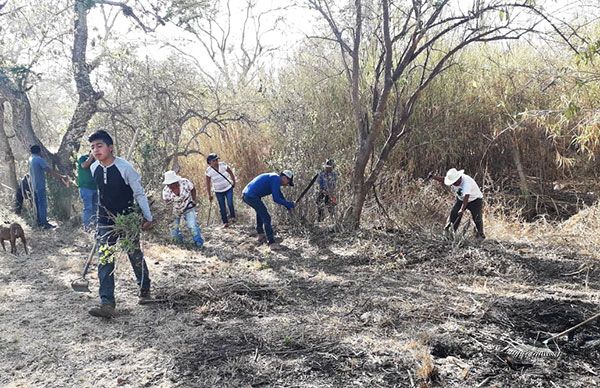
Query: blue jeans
point(190, 220)
point(106, 275)
point(263, 218)
point(89, 197)
point(41, 206)
point(221, 198)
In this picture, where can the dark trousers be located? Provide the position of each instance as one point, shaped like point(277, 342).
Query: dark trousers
point(263, 218)
point(23, 193)
point(226, 196)
point(19, 198)
point(476, 209)
point(41, 207)
point(106, 272)
point(324, 201)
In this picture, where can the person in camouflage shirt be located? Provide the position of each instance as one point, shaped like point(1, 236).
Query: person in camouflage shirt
point(326, 190)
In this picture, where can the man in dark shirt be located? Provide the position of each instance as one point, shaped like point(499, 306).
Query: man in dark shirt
point(118, 185)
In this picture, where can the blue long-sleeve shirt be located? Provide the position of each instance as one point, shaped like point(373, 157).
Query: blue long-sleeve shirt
point(267, 184)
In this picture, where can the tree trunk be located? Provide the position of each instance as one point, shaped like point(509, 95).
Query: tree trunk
point(359, 196)
point(21, 112)
point(87, 106)
point(9, 157)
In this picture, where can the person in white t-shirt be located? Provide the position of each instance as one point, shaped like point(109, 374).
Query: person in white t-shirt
point(221, 180)
point(468, 197)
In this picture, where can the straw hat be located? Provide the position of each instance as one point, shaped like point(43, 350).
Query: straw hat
point(452, 176)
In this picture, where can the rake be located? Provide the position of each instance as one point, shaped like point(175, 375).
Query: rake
point(533, 351)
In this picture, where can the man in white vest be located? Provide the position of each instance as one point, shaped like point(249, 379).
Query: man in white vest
point(468, 197)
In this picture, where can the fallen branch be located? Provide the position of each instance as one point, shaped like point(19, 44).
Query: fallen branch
point(485, 381)
point(582, 268)
point(269, 353)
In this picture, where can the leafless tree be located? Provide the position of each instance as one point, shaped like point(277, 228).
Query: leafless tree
point(14, 84)
point(405, 44)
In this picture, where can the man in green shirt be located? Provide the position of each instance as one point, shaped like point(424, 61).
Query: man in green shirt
point(87, 191)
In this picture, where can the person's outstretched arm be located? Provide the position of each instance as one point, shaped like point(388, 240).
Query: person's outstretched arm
point(133, 179)
point(87, 163)
point(63, 178)
point(438, 178)
point(465, 203)
point(278, 195)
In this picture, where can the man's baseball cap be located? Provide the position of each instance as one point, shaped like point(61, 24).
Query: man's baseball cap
point(289, 175)
point(211, 157)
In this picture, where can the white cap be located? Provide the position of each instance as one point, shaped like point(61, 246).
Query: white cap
point(290, 175)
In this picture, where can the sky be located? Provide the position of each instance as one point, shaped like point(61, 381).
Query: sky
point(298, 22)
point(293, 24)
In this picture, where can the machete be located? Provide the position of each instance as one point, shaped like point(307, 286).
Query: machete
point(312, 182)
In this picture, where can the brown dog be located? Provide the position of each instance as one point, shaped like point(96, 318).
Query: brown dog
point(12, 233)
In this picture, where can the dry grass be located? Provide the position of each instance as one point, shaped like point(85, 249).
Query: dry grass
point(404, 308)
point(245, 150)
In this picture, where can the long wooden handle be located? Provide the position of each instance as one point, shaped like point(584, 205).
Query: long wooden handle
point(573, 328)
point(86, 267)
point(209, 209)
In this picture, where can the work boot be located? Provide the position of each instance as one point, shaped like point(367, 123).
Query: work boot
point(145, 297)
point(261, 238)
point(103, 311)
point(274, 246)
point(226, 225)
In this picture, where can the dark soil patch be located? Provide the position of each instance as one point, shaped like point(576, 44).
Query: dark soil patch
point(564, 268)
point(534, 321)
point(484, 260)
point(546, 315)
point(258, 361)
point(236, 299)
point(444, 347)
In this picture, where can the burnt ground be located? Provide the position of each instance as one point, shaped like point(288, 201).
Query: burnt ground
point(368, 309)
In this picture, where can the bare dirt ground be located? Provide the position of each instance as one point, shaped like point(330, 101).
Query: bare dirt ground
point(368, 309)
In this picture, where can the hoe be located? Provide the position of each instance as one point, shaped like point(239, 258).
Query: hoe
point(82, 284)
